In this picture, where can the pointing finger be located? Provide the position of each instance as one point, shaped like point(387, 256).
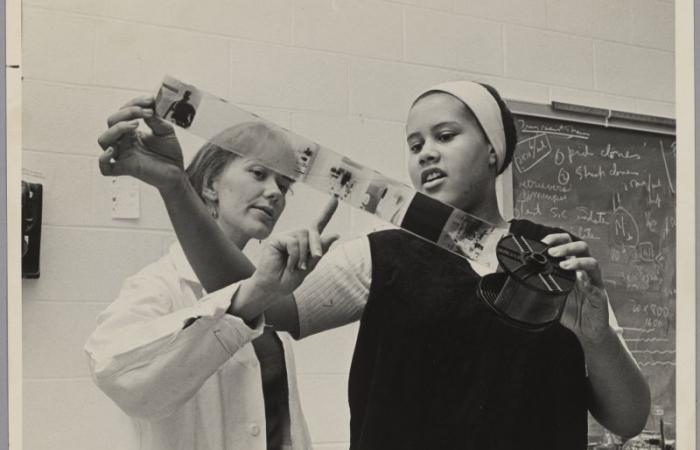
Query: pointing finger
point(326, 214)
point(315, 246)
point(303, 240)
point(292, 246)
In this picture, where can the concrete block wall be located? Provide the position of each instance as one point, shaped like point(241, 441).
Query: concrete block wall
point(339, 71)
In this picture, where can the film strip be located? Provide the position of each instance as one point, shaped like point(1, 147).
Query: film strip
point(206, 116)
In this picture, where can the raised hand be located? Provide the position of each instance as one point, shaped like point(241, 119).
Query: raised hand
point(586, 311)
point(154, 157)
point(288, 258)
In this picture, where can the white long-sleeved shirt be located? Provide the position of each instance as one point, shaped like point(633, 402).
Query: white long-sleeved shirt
point(182, 369)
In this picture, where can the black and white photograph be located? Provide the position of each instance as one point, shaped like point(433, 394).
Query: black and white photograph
point(386, 198)
point(471, 237)
point(178, 103)
point(394, 201)
point(365, 225)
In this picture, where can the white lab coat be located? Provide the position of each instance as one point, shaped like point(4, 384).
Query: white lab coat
point(192, 388)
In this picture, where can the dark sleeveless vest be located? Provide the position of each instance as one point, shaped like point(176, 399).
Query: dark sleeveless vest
point(434, 368)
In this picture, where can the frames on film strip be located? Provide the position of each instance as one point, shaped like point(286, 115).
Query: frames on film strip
point(206, 116)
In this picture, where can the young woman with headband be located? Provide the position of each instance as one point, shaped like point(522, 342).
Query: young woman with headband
point(433, 366)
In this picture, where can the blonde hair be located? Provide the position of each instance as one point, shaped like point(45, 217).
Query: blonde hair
point(246, 138)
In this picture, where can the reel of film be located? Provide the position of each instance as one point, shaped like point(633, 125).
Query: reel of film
point(531, 291)
point(526, 294)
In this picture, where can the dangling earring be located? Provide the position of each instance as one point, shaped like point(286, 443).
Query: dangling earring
point(215, 212)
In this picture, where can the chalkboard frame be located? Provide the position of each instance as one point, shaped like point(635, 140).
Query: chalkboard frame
point(595, 116)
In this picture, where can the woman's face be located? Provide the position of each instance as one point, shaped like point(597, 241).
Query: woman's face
point(449, 155)
point(250, 199)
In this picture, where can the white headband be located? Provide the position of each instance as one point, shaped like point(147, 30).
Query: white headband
point(484, 107)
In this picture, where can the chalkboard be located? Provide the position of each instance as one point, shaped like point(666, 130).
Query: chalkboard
point(614, 188)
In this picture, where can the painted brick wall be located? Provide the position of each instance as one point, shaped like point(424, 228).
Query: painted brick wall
point(342, 72)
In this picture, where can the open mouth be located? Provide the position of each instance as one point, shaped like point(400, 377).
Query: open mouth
point(432, 177)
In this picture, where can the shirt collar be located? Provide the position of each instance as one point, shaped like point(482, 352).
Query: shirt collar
point(182, 266)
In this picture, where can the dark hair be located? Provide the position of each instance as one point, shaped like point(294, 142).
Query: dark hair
point(509, 129)
point(211, 160)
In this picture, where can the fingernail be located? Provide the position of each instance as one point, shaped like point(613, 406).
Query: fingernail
point(553, 252)
point(566, 264)
point(147, 113)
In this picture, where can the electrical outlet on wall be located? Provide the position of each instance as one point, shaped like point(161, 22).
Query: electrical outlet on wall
point(125, 194)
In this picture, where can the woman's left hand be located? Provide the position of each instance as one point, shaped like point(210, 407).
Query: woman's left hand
point(586, 310)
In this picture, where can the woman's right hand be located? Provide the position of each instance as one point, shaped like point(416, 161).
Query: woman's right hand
point(153, 157)
point(288, 258)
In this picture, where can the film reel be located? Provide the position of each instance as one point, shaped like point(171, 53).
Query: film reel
point(530, 293)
